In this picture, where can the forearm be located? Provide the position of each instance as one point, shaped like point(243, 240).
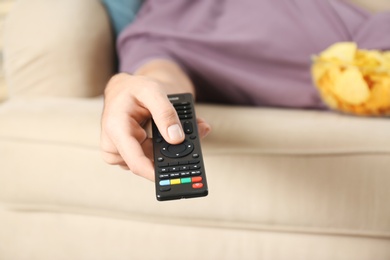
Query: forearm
point(169, 74)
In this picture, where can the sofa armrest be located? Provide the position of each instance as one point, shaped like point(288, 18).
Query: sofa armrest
point(58, 48)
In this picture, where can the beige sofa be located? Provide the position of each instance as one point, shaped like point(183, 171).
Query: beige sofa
point(284, 184)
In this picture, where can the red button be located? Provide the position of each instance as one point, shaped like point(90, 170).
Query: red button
point(196, 179)
point(197, 185)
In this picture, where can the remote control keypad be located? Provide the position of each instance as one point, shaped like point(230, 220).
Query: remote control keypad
point(179, 168)
point(180, 172)
point(177, 151)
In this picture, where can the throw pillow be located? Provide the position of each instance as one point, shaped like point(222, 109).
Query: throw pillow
point(121, 12)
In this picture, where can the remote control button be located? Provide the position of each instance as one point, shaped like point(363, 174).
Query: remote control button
point(185, 116)
point(186, 180)
point(184, 112)
point(193, 162)
point(194, 167)
point(160, 159)
point(165, 188)
point(195, 173)
point(175, 181)
point(178, 108)
point(197, 185)
point(163, 176)
point(196, 179)
point(173, 169)
point(179, 148)
point(164, 182)
point(174, 163)
point(177, 151)
point(159, 140)
point(195, 155)
point(184, 168)
point(162, 170)
point(174, 175)
point(185, 174)
point(184, 103)
point(193, 137)
point(187, 127)
point(183, 162)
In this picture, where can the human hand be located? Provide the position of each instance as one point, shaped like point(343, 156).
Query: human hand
point(130, 102)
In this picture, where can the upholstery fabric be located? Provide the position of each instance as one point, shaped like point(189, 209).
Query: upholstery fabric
point(99, 237)
point(271, 184)
point(49, 57)
point(5, 7)
point(284, 184)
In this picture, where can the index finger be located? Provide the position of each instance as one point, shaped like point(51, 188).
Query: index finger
point(163, 113)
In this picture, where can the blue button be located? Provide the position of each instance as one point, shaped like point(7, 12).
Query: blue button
point(164, 182)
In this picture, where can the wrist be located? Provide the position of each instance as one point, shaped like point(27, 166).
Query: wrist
point(169, 74)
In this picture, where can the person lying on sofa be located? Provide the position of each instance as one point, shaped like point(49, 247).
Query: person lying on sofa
point(248, 52)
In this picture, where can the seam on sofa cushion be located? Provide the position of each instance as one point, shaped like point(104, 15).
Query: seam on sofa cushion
point(197, 222)
point(208, 149)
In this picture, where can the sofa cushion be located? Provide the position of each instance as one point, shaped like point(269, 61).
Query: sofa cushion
point(79, 237)
point(58, 48)
point(268, 169)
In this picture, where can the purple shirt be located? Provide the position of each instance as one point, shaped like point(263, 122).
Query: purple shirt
point(248, 52)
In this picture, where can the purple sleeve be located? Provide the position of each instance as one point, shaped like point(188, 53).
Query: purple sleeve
point(252, 52)
point(137, 51)
point(375, 33)
point(148, 37)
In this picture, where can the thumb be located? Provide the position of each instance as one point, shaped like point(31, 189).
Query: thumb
point(165, 118)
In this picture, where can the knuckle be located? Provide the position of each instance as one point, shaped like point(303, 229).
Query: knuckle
point(108, 126)
point(168, 115)
point(109, 158)
point(133, 167)
point(149, 90)
point(117, 79)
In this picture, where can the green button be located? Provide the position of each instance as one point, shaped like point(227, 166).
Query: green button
point(186, 180)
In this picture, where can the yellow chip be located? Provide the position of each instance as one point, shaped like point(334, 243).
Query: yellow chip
point(330, 100)
point(318, 71)
point(343, 51)
point(380, 97)
point(351, 87)
point(353, 80)
point(369, 60)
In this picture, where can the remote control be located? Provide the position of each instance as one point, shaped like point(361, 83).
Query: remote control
point(179, 169)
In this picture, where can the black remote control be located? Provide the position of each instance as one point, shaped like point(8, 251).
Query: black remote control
point(179, 169)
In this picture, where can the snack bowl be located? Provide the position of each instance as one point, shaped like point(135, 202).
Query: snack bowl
point(353, 81)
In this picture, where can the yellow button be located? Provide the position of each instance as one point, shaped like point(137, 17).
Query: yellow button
point(175, 181)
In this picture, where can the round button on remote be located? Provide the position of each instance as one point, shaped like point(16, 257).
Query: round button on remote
point(178, 150)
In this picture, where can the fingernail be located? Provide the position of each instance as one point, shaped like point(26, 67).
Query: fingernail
point(175, 132)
